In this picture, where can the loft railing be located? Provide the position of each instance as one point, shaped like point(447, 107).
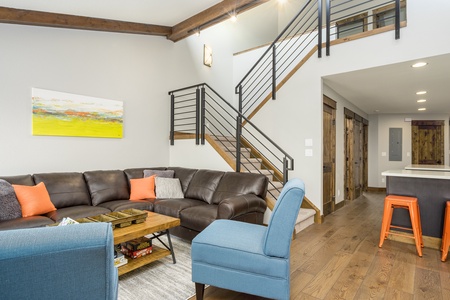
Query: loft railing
point(304, 32)
point(199, 110)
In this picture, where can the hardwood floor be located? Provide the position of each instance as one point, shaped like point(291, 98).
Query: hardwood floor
point(340, 259)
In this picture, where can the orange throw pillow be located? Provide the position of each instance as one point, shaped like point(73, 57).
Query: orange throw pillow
point(142, 188)
point(34, 200)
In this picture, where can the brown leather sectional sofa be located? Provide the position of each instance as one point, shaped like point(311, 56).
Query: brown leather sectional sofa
point(208, 195)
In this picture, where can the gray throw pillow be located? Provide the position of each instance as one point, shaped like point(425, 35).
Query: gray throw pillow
point(168, 188)
point(9, 205)
point(159, 173)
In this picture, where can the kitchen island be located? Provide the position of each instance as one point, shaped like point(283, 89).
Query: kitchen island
point(430, 187)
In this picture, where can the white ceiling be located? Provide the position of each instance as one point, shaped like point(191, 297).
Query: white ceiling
point(157, 12)
point(392, 88)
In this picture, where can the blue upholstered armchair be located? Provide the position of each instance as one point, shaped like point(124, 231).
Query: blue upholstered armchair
point(66, 262)
point(249, 258)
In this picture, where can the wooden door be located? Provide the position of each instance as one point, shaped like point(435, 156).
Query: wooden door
point(329, 155)
point(358, 170)
point(427, 138)
point(356, 150)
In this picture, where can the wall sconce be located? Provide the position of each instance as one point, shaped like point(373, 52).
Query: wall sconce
point(207, 56)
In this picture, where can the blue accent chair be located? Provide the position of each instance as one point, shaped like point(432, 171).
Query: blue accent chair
point(66, 262)
point(249, 258)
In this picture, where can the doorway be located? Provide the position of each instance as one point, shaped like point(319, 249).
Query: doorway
point(427, 138)
point(356, 150)
point(329, 155)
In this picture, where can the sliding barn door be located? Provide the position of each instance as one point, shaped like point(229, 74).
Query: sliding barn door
point(427, 139)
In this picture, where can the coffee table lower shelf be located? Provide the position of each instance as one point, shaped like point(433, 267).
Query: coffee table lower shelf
point(134, 263)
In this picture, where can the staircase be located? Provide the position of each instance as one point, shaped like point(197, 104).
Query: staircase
point(253, 164)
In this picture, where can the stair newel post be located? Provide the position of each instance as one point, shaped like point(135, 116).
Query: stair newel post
point(397, 19)
point(328, 22)
point(197, 115)
point(239, 131)
point(172, 119)
point(319, 27)
point(285, 170)
point(274, 73)
point(203, 108)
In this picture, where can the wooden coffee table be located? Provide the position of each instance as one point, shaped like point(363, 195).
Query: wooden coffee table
point(155, 224)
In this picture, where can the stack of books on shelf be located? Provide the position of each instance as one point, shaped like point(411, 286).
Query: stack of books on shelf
point(119, 258)
point(137, 248)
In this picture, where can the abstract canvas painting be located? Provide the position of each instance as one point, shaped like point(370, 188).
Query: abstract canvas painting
point(64, 114)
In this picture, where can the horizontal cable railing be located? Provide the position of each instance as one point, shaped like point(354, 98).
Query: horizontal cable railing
point(252, 150)
point(356, 16)
point(280, 57)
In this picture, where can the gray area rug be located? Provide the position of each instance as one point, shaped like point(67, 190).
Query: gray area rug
point(161, 279)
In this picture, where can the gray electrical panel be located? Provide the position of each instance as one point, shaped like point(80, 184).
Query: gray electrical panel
point(395, 144)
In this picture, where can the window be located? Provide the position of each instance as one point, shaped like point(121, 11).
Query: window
point(351, 26)
point(386, 15)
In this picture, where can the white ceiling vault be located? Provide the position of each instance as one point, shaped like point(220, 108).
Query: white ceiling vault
point(157, 12)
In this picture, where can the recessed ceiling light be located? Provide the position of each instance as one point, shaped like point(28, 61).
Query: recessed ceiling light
point(419, 64)
point(422, 109)
point(421, 92)
point(422, 100)
point(233, 18)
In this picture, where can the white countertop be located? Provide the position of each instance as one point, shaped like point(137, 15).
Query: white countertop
point(417, 174)
point(440, 168)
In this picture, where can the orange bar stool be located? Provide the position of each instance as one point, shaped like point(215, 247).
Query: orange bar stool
point(446, 234)
point(409, 203)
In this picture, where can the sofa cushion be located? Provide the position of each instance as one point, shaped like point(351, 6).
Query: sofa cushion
point(77, 212)
point(168, 188)
point(9, 205)
point(172, 207)
point(185, 175)
point(19, 179)
point(199, 217)
point(107, 186)
point(65, 189)
point(117, 205)
point(34, 200)
point(28, 222)
point(235, 184)
point(203, 185)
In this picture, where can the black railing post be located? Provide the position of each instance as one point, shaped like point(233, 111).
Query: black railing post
point(319, 28)
point(274, 73)
point(172, 119)
point(397, 19)
point(239, 132)
point(328, 18)
point(285, 170)
point(203, 108)
point(197, 115)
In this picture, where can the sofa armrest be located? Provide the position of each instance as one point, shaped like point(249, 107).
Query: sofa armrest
point(232, 207)
point(66, 262)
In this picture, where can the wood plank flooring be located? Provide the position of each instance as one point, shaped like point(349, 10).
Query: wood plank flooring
point(340, 259)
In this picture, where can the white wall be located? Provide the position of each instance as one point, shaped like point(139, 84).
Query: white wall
point(137, 70)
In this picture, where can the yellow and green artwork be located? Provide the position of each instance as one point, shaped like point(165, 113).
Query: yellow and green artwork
point(63, 114)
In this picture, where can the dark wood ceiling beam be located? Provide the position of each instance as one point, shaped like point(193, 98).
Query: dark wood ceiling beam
point(211, 16)
point(38, 18)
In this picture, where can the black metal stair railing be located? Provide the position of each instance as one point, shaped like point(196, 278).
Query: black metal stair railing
point(199, 110)
point(302, 34)
point(286, 50)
